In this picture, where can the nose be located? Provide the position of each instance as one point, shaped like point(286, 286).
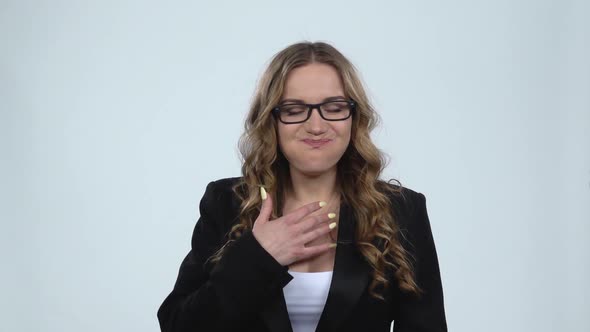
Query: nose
point(315, 124)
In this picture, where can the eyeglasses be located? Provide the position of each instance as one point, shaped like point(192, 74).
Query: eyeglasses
point(336, 110)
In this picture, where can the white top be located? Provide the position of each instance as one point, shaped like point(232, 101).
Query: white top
point(305, 297)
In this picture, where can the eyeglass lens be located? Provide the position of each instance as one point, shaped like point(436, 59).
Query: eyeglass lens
point(336, 110)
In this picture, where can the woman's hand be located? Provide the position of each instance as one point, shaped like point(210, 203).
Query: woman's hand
point(285, 238)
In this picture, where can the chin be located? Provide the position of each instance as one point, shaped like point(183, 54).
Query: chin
point(313, 170)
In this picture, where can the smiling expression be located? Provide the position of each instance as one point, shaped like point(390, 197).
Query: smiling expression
point(316, 145)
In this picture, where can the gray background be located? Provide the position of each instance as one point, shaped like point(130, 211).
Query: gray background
point(116, 114)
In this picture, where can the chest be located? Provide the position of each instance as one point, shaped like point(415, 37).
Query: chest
point(324, 261)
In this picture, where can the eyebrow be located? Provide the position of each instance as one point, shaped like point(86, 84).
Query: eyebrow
point(292, 100)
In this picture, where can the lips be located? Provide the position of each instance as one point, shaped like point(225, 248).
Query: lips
point(316, 142)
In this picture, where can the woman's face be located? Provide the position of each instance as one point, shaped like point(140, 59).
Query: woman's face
point(301, 142)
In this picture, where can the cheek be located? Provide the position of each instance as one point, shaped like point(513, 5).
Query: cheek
point(284, 135)
point(345, 131)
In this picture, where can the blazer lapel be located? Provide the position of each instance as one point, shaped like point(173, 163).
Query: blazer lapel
point(275, 314)
point(350, 277)
point(349, 280)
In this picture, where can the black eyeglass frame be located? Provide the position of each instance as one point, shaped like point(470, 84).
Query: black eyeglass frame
point(310, 107)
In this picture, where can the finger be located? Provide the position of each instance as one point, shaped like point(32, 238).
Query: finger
point(309, 252)
point(317, 232)
point(302, 212)
point(266, 208)
point(313, 221)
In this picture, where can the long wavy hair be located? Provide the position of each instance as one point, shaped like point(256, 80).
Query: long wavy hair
point(377, 235)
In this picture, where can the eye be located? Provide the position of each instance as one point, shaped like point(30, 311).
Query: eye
point(336, 107)
point(293, 109)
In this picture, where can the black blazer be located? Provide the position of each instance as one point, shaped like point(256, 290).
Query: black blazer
point(243, 291)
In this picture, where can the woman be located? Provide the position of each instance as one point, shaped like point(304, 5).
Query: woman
point(309, 237)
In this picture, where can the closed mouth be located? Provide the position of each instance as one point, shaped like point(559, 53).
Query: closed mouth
point(316, 142)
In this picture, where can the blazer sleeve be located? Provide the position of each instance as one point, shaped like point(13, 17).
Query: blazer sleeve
point(236, 287)
point(423, 313)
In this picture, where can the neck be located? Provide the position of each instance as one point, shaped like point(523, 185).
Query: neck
point(306, 188)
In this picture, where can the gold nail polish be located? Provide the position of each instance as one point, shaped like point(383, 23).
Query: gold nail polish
point(322, 204)
point(332, 245)
point(331, 215)
point(332, 225)
point(263, 193)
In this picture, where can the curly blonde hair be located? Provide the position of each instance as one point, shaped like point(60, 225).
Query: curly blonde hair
point(263, 164)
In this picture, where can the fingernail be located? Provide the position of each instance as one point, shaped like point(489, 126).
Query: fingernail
point(332, 225)
point(332, 245)
point(322, 204)
point(263, 193)
point(331, 215)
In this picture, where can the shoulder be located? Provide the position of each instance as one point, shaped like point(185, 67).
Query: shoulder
point(411, 218)
point(220, 200)
point(222, 190)
point(408, 207)
point(224, 185)
point(404, 200)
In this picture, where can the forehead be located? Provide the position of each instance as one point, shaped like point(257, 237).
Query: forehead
point(313, 83)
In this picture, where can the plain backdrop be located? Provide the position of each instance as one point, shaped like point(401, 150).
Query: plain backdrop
point(116, 114)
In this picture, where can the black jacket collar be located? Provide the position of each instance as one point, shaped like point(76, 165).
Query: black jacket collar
point(349, 280)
